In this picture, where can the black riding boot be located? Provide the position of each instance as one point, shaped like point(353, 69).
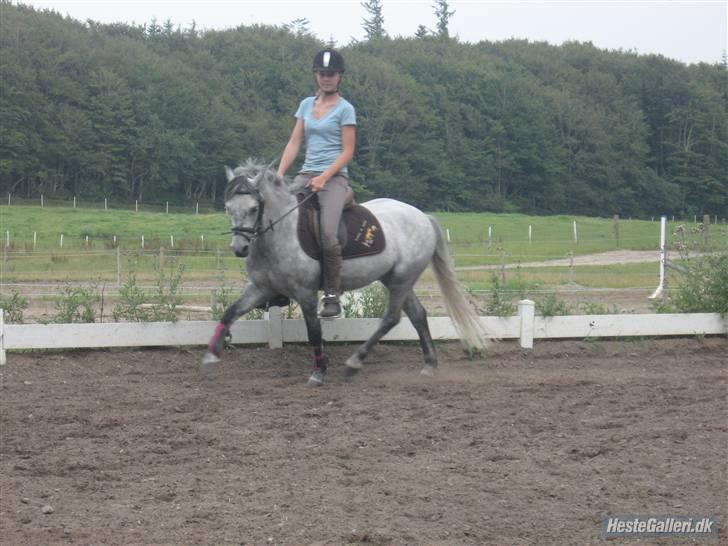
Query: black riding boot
point(331, 307)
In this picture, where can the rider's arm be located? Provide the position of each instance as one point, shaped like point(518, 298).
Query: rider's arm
point(292, 148)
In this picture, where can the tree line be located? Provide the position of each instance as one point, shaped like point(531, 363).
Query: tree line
point(154, 112)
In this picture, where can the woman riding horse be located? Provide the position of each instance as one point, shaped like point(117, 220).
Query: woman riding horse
point(327, 123)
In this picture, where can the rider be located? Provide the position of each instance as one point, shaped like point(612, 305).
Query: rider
point(327, 123)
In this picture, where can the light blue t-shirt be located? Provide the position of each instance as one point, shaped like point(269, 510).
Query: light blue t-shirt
point(323, 136)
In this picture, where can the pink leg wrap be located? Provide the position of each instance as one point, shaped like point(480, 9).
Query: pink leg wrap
point(219, 331)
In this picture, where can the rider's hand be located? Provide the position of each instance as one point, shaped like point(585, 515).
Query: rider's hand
point(317, 183)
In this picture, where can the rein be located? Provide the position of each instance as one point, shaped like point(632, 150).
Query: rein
point(256, 231)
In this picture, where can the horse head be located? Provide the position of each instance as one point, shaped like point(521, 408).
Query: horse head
point(250, 189)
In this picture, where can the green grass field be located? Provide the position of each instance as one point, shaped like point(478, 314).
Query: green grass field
point(551, 236)
point(200, 243)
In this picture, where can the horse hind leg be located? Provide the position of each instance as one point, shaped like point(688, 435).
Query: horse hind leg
point(390, 319)
point(418, 316)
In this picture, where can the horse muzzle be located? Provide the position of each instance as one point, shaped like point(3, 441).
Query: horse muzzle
point(240, 247)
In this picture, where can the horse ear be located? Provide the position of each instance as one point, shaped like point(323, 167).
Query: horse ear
point(229, 173)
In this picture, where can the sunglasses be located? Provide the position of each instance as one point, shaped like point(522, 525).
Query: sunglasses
point(326, 73)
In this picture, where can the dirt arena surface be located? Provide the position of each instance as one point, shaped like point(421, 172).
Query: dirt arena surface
point(519, 448)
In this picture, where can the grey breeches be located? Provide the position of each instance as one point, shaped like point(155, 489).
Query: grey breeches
point(332, 199)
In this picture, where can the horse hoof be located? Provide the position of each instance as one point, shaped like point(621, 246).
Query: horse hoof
point(350, 372)
point(354, 362)
point(207, 366)
point(316, 379)
point(210, 358)
point(428, 371)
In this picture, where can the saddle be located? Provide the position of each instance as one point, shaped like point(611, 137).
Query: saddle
point(360, 233)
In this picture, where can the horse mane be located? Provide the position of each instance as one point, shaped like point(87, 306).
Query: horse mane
point(240, 178)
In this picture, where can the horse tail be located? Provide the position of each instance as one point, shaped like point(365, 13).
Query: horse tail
point(457, 306)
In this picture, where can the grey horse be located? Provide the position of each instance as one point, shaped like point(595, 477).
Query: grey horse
point(263, 211)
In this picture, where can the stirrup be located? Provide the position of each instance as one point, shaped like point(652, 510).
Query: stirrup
point(330, 307)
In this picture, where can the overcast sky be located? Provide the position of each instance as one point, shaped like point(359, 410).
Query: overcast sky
point(687, 30)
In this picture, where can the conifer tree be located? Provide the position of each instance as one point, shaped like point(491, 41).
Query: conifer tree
point(443, 14)
point(374, 25)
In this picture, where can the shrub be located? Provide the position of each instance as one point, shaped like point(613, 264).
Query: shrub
point(136, 305)
point(551, 306)
point(13, 307)
point(705, 286)
point(370, 302)
point(77, 304)
point(500, 304)
point(131, 301)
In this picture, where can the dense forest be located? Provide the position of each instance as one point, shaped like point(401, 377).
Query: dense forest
point(124, 111)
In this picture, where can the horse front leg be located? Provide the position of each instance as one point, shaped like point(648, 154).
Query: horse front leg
point(315, 338)
point(252, 297)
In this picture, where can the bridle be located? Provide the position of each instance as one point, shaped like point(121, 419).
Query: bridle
point(252, 233)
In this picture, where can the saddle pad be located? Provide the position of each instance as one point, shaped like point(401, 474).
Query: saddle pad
point(360, 233)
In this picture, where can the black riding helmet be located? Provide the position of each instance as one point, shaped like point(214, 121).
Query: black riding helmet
point(328, 59)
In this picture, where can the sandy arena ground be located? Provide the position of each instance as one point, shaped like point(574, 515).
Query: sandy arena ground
point(519, 447)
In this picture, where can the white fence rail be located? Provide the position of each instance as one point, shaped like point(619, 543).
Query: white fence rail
point(275, 331)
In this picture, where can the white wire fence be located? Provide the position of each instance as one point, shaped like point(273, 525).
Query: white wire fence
point(590, 271)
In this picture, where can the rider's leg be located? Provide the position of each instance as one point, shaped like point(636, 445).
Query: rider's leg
point(331, 201)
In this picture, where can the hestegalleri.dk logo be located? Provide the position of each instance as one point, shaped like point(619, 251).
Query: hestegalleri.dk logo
point(639, 526)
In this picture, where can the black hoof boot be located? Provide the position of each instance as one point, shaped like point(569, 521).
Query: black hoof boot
point(330, 308)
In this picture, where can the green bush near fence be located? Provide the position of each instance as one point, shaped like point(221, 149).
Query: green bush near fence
point(13, 306)
point(704, 287)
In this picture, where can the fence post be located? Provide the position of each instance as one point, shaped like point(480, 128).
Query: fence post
point(576, 238)
point(118, 265)
point(275, 327)
point(527, 312)
point(615, 220)
point(663, 260)
point(571, 266)
point(3, 358)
